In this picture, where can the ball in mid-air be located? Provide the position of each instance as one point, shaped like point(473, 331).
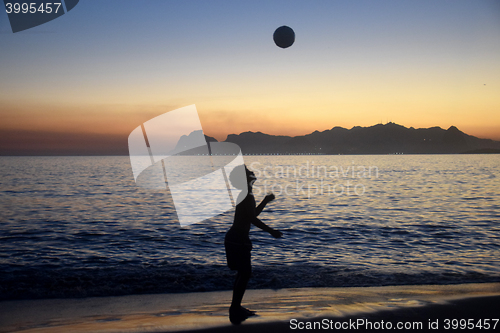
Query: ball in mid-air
point(284, 37)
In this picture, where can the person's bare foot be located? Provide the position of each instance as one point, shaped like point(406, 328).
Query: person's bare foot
point(250, 313)
point(237, 315)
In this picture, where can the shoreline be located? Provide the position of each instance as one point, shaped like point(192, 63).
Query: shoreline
point(470, 314)
point(207, 311)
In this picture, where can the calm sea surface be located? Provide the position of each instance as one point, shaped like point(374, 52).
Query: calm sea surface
point(79, 226)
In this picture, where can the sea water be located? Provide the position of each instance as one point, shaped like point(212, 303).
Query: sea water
point(80, 226)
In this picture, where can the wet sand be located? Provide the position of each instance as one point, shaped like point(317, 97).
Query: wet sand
point(207, 312)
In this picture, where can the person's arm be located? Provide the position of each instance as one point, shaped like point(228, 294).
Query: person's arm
point(259, 224)
point(270, 197)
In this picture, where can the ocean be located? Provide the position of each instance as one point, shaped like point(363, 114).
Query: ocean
point(80, 226)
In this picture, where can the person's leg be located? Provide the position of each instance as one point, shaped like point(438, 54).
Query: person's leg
point(240, 286)
point(237, 313)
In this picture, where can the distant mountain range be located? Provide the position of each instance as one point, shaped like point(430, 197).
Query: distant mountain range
point(387, 138)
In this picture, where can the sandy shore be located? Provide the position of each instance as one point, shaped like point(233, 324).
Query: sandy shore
point(438, 317)
point(207, 312)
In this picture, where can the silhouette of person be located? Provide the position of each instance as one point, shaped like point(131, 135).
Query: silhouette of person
point(238, 245)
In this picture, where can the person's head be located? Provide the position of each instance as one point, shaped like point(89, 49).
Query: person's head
point(237, 180)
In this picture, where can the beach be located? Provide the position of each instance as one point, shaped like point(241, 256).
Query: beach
point(372, 138)
point(280, 310)
point(83, 249)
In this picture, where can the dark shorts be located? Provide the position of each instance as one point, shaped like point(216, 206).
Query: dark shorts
point(238, 254)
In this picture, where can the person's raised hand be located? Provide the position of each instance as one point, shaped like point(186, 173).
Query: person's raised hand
point(270, 197)
point(276, 233)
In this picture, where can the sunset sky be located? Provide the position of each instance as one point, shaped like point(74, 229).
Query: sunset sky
point(84, 81)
